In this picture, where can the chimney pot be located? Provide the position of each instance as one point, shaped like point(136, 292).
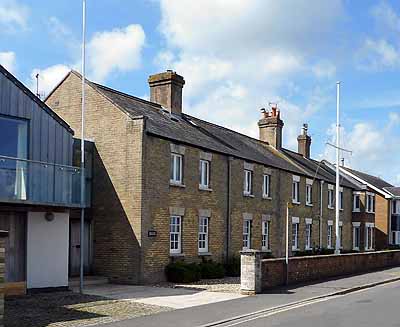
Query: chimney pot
point(166, 90)
point(270, 126)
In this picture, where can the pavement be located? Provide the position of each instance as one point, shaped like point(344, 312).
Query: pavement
point(214, 314)
point(176, 298)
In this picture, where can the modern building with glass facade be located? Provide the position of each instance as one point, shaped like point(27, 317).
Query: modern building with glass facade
point(38, 188)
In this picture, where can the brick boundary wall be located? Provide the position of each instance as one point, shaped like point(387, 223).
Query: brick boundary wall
point(309, 268)
point(3, 237)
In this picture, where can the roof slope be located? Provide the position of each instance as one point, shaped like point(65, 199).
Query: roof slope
point(321, 170)
point(190, 130)
point(395, 191)
point(373, 180)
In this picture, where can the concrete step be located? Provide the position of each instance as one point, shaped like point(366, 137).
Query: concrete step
point(88, 280)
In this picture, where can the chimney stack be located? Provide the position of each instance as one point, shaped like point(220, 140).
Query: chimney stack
point(304, 142)
point(270, 126)
point(166, 90)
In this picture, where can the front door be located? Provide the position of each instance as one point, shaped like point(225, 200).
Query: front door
point(75, 248)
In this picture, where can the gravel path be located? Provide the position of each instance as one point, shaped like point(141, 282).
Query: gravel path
point(68, 309)
point(225, 285)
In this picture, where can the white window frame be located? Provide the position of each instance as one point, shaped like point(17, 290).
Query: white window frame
point(248, 182)
point(295, 233)
point(204, 174)
point(309, 201)
point(246, 234)
point(355, 196)
point(265, 235)
point(369, 236)
point(370, 205)
point(396, 207)
point(177, 176)
point(204, 226)
point(329, 239)
point(296, 190)
point(308, 234)
point(356, 226)
point(266, 186)
point(175, 228)
point(331, 197)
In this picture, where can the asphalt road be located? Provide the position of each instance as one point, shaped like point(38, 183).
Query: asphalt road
point(378, 306)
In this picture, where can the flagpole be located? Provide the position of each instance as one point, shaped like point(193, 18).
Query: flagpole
point(337, 216)
point(82, 230)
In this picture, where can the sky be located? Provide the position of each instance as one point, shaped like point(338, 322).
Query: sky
point(236, 56)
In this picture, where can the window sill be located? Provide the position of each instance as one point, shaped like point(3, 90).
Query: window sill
point(331, 208)
point(266, 197)
point(204, 254)
point(295, 249)
point(204, 188)
point(295, 202)
point(309, 205)
point(176, 255)
point(308, 249)
point(175, 184)
point(248, 195)
point(266, 250)
point(356, 211)
point(356, 249)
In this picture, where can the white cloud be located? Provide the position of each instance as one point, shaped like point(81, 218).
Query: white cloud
point(236, 56)
point(378, 55)
point(48, 78)
point(372, 147)
point(324, 69)
point(385, 16)
point(118, 50)
point(13, 15)
point(8, 60)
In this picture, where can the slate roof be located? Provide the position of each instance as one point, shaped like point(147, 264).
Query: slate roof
point(319, 169)
point(194, 131)
point(395, 191)
point(190, 130)
point(373, 180)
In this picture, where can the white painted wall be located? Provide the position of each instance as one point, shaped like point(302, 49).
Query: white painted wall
point(47, 250)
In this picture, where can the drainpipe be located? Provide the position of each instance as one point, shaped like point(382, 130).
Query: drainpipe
point(228, 213)
point(320, 212)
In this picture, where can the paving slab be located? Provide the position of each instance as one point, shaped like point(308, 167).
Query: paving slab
point(177, 298)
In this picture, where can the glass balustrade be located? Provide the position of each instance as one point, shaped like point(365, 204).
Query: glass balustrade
point(27, 181)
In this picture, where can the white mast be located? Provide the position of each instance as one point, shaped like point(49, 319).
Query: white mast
point(82, 230)
point(338, 241)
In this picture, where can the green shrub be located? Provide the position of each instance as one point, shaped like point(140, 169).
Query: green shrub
point(232, 267)
point(211, 270)
point(181, 272)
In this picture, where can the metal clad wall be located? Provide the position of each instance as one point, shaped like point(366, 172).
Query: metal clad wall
point(49, 141)
point(42, 127)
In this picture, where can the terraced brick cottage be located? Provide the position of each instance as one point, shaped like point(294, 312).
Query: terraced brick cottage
point(376, 209)
point(37, 184)
point(169, 186)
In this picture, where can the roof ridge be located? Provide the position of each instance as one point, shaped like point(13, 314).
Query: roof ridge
point(226, 128)
point(156, 105)
point(361, 172)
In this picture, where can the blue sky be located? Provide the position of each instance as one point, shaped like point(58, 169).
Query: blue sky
point(236, 57)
